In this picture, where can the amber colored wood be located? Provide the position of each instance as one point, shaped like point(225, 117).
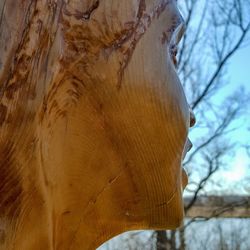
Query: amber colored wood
point(93, 121)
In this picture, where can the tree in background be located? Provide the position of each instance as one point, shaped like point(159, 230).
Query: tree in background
point(215, 31)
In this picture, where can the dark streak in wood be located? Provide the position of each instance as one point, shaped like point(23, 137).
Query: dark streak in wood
point(10, 185)
point(2, 236)
point(2, 14)
point(140, 26)
point(3, 112)
point(66, 212)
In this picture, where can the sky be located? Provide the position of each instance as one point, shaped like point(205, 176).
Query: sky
point(236, 175)
point(239, 71)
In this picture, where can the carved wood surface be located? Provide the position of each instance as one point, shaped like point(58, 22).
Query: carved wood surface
point(93, 121)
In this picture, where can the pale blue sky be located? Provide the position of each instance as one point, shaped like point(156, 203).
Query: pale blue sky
point(236, 176)
point(239, 68)
point(239, 74)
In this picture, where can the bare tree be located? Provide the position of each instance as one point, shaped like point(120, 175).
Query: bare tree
point(215, 31)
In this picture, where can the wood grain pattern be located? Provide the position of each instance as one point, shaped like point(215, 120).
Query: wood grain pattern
point(93, 121)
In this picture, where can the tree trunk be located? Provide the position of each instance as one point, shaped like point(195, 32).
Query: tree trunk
point(161, 240)
point(165, 241)
point(182, 239)
point(173, 240)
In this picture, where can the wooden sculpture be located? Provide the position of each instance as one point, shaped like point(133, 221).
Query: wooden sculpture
point(93, 121)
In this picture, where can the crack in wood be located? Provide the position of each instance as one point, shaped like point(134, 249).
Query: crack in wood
point(94, 200)
point(86, 15)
